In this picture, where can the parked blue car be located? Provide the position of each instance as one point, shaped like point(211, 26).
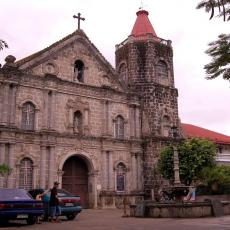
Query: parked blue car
point(18, 204)
point(70, 204)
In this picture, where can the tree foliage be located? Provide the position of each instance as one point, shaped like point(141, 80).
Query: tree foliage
point(219, 174)
point(222, 7)
point(219, 50)
point(5, 170)
point(194, 154)
point(3, 44)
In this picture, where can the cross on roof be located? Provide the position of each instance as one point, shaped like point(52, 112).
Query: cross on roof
point(142, 5)
point(79, 19)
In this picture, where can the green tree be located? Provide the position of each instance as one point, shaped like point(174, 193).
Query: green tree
point(3, 44)
point(219, 50)
point(194, 154)
point(5, 171)
point(222, 7)
point(219, 174)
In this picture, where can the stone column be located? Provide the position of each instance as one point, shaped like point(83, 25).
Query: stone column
point(95, 188)
point(1, 100)
point(132, 121)
point(71, 118)
point(35, 177)
point(51, 167)
point(45, 110)
point(137, 122)
point(105, 117)
point(60, 174)
point(43, 167)
point(13, 105)
point(53, 110)
point(139, 171)
point(10, 183)
point(2, 160)
point(109, 119)
point(176, 166)
point(111, 179)
point(134, 170)
point(2, 153)
point(104, 171)
point(5, 104)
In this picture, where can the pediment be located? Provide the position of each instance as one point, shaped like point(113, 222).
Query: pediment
point(60, 59)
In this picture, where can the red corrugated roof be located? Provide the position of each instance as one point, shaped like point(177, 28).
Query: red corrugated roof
point(195, 131)
point(143, 26)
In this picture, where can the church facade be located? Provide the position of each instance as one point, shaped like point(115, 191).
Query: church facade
point(67, 115)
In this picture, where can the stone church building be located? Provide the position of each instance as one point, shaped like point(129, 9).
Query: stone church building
point(66, 114)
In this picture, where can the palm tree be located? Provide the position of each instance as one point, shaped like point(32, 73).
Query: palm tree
point(218, 50)
point(223, 7)
point(3, 44)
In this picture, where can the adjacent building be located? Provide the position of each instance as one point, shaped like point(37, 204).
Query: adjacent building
point(222, 141)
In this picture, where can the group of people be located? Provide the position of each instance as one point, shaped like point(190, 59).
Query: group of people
point(50, 204)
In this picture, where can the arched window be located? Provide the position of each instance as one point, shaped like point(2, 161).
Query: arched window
point(165, 126)
point(162, 69)
point(123, 72)
point(120, 177)
point(119, 127)
point(26, 174)
point(77, 122)
point(28, 116)
point(79, 71)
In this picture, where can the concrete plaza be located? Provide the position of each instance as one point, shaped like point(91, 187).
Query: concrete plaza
point(112, 220)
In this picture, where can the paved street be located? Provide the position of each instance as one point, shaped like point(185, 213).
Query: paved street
point(112, 220)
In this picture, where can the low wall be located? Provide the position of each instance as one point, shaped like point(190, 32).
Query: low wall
point(179, 210)
point(117, 200)
point(213, 197)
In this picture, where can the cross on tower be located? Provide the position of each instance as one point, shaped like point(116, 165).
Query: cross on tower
point(142, 5)
point(79, 19)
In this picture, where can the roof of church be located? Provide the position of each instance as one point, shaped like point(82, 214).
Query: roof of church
point(77, 32)
point(143, 27)
point(196, 131)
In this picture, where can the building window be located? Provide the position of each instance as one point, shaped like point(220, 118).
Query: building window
point(119, 127)
point(77, 122)
point(26, 174)
point(219, 149)
point(162, 69)
point(79, 71)
point(28, 116)
point(123, 72)
point(120, 177)
point(166, 126)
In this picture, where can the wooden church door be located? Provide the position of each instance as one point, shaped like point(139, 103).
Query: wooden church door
point(75, 178)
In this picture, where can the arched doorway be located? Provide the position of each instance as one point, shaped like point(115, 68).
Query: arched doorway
point(75, 178)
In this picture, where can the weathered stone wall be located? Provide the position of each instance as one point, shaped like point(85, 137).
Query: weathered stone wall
point(54, 135)
point(158, 97)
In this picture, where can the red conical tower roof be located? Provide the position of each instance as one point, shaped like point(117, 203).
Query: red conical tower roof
point(143, 28)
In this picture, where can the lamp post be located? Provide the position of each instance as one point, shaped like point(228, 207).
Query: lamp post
point(175, 136)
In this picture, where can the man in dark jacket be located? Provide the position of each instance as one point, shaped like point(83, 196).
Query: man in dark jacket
point(55, 210)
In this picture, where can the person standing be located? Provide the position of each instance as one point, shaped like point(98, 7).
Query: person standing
point(46, 201)
point(55, 210)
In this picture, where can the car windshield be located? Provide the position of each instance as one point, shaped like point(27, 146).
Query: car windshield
point(63, 193)
point(13, 194)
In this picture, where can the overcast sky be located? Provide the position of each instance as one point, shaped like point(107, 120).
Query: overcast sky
point(31, 25)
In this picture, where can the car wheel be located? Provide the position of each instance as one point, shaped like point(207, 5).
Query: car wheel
point(71, 216)
point(31, 220)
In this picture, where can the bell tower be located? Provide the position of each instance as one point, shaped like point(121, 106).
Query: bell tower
point(144, 63)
